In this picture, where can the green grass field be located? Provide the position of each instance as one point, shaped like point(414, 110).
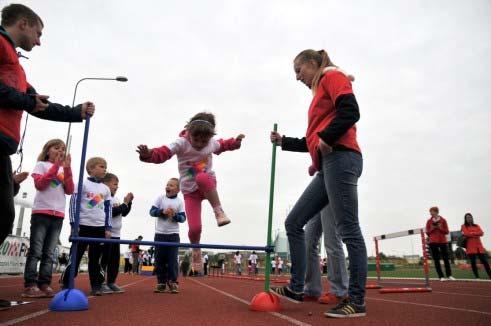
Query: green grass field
point(412, 272)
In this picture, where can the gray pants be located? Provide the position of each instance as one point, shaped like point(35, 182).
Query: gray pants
point(337, 275)
point(336, 186)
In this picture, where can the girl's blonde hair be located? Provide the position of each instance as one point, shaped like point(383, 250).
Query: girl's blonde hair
point(43, 156)
point(321, 58)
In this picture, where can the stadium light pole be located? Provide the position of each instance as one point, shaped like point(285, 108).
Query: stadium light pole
point(117, 78)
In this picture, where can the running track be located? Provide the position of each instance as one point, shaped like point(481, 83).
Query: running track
point(224, 301)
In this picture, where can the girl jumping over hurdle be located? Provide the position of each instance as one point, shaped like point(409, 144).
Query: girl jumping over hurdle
point(194, 149)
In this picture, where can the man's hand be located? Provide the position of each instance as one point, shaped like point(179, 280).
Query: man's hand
point(324, 147)
point(144, 152)
point(128, 198)
point(41, 103)
point(88, 109)
point(20, 177)
point(107, 234)
point(275, 138)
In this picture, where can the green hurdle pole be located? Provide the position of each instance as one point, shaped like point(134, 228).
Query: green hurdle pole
point(270, 216)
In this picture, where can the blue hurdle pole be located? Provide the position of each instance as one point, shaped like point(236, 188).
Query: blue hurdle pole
point(75, 225)
point(72, 299)
point(172, 244)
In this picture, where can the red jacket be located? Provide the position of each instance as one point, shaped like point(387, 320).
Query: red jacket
point(437, 233)
point(473, 233)
point(12, 75)
point(322, 111)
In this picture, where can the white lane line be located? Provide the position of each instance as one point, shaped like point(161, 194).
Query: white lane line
point(42, 312)
point(276, 314)
point(466, 294)
point(431, 306)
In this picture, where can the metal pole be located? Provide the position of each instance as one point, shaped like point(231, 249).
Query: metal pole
point(270, 216)
point(377, 260)
point(20, 221)
point(425, 259)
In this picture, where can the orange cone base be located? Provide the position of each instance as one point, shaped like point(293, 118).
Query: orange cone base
point(265, 301)
point(404, 290)
point(372, 286)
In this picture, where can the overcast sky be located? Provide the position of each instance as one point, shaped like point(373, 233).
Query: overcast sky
point(422, 83)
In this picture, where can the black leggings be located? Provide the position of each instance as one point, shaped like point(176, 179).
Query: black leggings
point(439, 250)
point(483, 260)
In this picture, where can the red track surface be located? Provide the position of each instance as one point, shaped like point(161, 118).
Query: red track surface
point(224, 301)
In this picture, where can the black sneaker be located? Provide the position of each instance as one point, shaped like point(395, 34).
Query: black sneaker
point(159, 288)
point(106, 289)
point(4, 304)
point(347, 309)
point(173, 287)
point(115, 288)
point(96, 291)
point(288, 293)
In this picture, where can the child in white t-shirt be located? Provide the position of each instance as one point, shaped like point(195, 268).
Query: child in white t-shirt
point(53, 180)
point(95, 222)
point(169, 211)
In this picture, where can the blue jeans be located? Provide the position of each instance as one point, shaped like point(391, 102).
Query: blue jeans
point(166, 258)
point(337, 274)
point(336, 186)
point(45, 230)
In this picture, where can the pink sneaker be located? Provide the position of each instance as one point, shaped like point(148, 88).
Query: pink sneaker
point(33, 292)
point(222, 218)
point(329, 298)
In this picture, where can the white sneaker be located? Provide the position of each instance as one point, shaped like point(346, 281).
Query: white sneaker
point(451, 278)
point(443, 279)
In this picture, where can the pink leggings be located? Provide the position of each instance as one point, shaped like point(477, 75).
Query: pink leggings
point(192, 202)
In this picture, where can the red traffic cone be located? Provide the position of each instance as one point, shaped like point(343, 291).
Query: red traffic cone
point(265, 301)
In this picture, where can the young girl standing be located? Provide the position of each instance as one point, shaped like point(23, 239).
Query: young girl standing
point(194, 149)
point(53, 180)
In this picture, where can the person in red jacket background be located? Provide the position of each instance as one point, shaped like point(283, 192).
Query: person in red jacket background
point(474, 248)
point(437, 230)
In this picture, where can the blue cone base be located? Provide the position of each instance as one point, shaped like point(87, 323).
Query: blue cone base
point(69, 300)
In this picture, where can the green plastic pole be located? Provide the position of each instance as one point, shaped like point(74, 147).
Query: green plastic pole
point(270, 216)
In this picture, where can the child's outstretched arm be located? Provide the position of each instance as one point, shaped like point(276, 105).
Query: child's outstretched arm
point(154, 155)
point(229, 144)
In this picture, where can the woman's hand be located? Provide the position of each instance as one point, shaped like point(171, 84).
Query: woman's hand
point(324, 147)
point(275, 138)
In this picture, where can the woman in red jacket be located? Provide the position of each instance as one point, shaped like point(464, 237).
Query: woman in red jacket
point(437, 230)
point(474, 248)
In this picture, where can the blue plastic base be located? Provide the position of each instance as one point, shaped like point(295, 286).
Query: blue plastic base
point(69, 300)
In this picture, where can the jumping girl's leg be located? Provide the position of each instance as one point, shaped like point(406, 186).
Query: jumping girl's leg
point(207, 185)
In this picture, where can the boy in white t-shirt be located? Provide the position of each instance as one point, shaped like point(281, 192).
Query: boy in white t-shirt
point(111, 254)
point(95, 222)
point(169, 211)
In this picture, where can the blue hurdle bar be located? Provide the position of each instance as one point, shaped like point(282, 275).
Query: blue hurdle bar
point(172, 244)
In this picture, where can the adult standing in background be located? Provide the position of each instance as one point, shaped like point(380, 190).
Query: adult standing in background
point(473, 247)
point(437, 230)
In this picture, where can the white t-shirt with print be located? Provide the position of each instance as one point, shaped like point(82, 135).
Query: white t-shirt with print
point(253, 258)
point(52, 197)
point(167, 225)
point(191, 161)
point(93, 196)
point(117, 220)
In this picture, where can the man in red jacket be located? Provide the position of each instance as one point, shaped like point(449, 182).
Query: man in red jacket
point(437, 230)
point(21, 27)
